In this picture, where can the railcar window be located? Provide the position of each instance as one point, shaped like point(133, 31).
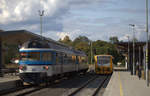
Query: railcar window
point(102, 60)
point(59, 58)
point(46, 56)
point(83, 59)
point(68, 59)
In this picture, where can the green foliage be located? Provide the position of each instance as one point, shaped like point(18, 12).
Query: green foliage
point(66, 41)
point(82, 43)
point(107, 48)
point(81, 39)
point(113, 39)
point(11, 51)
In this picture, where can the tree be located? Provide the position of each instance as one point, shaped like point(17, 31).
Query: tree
point(99, 47)
point(113, 39)
point(80, 39)
point(103, 47)
point(66, 40)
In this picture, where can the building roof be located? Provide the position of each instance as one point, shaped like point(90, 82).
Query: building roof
point(20, 36)
point(123, 46)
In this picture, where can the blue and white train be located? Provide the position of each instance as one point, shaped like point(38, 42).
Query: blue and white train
point(42, 61)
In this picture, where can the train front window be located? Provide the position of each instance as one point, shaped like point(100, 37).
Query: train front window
point(103, 60)
point(32, 56)
point(23, 56)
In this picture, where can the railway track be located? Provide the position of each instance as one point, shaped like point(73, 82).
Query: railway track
point(27, 90)
point(81, 90)
point(91, 87)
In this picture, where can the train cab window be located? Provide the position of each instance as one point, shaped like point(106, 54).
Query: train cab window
point(46, 56)
point(35, 56)
point(23, 56)
point(103, 60)
point(32, 56)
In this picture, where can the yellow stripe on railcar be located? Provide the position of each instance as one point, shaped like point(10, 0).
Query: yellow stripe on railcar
point(103, 64)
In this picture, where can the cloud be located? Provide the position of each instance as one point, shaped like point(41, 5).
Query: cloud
point(96, 19)
point(71, 34)
point(21, 10)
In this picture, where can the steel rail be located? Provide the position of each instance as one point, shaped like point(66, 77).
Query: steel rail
point(88, 82)
point(100, 85)
point(82, 86)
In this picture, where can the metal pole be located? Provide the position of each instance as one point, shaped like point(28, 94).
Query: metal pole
point(41, 13)
point(133, 48)
point(147, 71)
point(128, 53)
point(91, 52)
point(1, 73)
point(144, 61)
point(133, 51)
point(41, 25)
point(139, 56)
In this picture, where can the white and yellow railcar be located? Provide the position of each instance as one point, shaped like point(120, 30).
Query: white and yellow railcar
point(103, 64)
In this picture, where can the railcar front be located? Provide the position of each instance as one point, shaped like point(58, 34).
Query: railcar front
point(35, 65)
point(103, 64)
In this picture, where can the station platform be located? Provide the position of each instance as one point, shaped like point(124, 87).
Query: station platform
point(8, 81)
point(7, 78)
point(124, 84)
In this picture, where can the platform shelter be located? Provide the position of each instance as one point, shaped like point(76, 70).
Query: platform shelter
point(126, 48)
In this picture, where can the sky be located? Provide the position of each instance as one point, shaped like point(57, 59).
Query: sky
point(96, 19)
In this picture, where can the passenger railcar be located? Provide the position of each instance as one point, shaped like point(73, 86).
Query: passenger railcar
point(42, 61)
point(103, 64)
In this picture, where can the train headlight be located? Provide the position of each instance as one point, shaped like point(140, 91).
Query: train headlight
point(46, 67)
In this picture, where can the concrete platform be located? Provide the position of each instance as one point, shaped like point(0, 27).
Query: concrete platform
point(8, 82)
point(124, 84)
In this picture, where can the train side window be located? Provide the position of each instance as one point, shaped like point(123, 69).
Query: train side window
point(65, 59)
point(46, 56)
point(59, 58)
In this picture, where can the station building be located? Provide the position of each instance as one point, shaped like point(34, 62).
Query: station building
point(126, 48)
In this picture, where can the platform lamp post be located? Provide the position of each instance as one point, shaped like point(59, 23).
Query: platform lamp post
point(41, 14)
point(147, 71)
point(133, 70)
point(128, 52)
point(1, 73)
point(91, 52)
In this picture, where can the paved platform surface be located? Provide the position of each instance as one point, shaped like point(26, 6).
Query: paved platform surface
point(7, 82)
point(124, 84)
point(8, 78)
